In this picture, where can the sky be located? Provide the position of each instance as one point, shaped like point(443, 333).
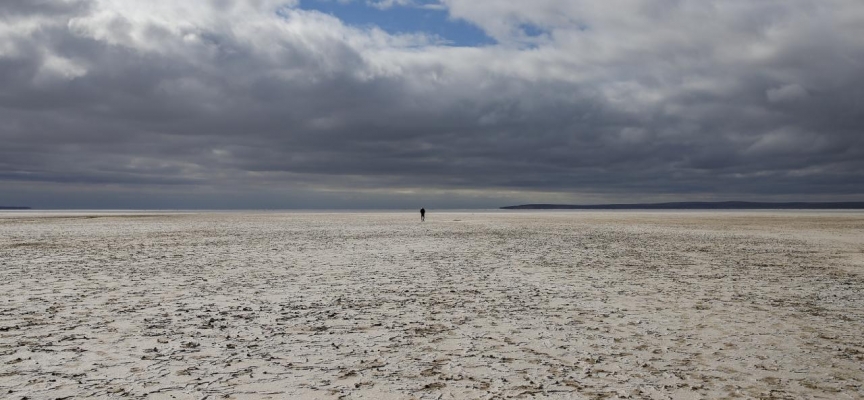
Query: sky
point(355, 104)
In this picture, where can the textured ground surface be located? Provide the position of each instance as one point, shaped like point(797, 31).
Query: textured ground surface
point(495, 305)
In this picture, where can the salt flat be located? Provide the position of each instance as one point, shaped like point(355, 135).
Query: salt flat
point(467, 305)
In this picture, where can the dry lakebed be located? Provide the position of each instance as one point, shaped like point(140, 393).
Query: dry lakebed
point(468, 305)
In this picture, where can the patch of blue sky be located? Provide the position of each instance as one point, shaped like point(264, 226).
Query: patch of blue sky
point(421, 17)
point(533, 30)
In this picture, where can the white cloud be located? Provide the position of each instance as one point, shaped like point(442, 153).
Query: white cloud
point(386, 4)
point(54, 67)
point(654, 93)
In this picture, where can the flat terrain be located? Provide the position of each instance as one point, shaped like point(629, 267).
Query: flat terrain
point(467, 305)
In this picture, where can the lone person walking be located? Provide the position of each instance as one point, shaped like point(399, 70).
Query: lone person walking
point(422, 214)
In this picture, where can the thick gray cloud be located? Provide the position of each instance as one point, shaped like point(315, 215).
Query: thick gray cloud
point(262, 104)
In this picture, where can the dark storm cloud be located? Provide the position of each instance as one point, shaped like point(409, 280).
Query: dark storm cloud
point(650, 99)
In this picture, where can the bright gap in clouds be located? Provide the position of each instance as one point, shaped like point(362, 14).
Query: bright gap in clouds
point(416, 17)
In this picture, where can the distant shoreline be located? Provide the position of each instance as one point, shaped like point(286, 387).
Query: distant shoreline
point(698, 205)
point(14, 208)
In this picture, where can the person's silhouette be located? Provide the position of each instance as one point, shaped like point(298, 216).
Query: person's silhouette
point(422, 214)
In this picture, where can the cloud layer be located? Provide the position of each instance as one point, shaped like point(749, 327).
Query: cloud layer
point(577, 100)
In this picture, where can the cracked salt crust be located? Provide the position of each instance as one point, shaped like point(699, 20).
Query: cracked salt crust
point(467, 305)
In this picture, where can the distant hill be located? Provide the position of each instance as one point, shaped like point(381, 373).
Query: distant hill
point(697, 205)
point(14, 208)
